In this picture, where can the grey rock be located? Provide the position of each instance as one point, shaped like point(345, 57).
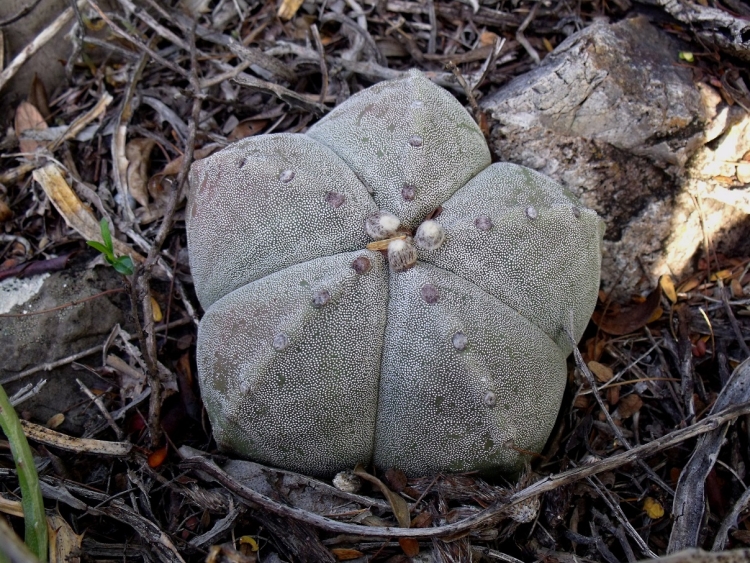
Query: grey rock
point(38, 339)
point(616, 118)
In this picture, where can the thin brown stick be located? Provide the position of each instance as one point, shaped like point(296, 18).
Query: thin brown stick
point(100, 405)
point(137, 42)
point(615, 429)
point(322, 62)
point(493, 511)
point(733, 320)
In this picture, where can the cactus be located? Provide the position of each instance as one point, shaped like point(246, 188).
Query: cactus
point(444, 349)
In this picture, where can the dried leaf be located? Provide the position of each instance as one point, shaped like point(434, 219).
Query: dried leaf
point(156, 311)
point(138, 153)
point(249, 541)
point(603, 373)
point(487, 38)
point(5, 213)
point(345, 554)
point(581, 402)
point(157, 457)
point(689, 285)
point(64, 543)
point(625, 321)
point(172, 168)
point(653, 508)
point(289, 8)
point(613, 395)
point(398, 504)
point(410, 546)
point(38, 96)
point(28, 117)
point(247, 128)
point(396, 479)
point(734, 285)
point(75, 213)
point(629, 405)
point(12, 507)
point(55, 420)
point(667, 286)
point(422, 520)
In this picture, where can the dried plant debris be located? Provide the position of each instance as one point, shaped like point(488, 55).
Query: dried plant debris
point(649, 455)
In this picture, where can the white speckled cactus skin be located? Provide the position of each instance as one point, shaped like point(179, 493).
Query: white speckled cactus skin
point(315, 353)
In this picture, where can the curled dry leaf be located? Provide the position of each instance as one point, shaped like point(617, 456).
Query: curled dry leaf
point(603, 373)
point(667, 286)
point(410, 546)
point(138, 153)
point(627, 320)
point(289, 8)
point(398, 504)
point(346, 554)
point(629, 405)
point(172, 168)
point(69, 443)
point(38, 96)
point(28, 117)
point(247, 128)
point(5, 213)
point(156, 313)
point(64, 544)
point(55, 420)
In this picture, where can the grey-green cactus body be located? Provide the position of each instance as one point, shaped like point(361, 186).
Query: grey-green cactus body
point(446, 355)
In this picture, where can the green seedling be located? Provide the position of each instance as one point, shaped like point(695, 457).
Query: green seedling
point(122, 264)
point(37, 539)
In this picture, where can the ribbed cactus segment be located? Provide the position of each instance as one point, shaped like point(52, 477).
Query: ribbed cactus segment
point(268, 202)
point(293, 382)
point(540, 256)
point(465, 379)
point(409, 141)
point(375, 290)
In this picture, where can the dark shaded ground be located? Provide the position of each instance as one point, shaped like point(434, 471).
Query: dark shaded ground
point(653, 381)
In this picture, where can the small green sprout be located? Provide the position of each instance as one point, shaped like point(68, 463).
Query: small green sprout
point(686, 56)
point(121, 264)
